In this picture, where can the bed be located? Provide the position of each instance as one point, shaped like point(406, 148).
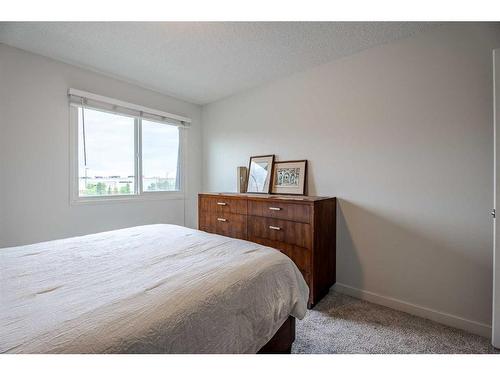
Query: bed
point(147, 289)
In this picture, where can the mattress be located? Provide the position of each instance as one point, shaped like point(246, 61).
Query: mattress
point(147, 289)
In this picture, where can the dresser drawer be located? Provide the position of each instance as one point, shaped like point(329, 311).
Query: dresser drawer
point(290, 232)
point(223, 205)
point(230, 225)
point(281, 210)
point(300, 256)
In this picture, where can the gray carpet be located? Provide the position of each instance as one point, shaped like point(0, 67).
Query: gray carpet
point(343, 324)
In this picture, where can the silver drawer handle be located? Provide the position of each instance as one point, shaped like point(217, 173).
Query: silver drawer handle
point(275, 208)
point(221, 219)
point(222, 203)
point(274, 228)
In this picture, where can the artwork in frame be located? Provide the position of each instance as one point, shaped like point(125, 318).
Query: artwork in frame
point(259, 174)
point(289, 177)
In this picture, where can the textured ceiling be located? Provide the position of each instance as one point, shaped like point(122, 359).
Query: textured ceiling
point(201, 62)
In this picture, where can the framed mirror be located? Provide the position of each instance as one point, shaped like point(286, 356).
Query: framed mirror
point(259, 174)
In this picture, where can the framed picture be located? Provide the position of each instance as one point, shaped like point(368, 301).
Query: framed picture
point(259, 174)
point(289, 177)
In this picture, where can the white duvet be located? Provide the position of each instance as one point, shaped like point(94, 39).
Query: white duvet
point(148, 289)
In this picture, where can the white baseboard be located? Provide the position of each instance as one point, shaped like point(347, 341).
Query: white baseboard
point(478, 328)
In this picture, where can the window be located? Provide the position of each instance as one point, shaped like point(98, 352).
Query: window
point(106, 157)
point(160, 156)
point(123, 154)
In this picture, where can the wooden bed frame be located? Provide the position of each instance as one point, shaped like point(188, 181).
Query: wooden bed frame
point(281, 342)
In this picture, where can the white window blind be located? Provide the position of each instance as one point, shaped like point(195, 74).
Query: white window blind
point(80, 98)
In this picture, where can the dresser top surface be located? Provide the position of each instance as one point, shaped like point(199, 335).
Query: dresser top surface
point(298, 198)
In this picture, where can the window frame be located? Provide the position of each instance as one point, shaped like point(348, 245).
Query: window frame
point(139, 194)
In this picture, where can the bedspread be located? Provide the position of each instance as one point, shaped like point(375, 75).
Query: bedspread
point(148, 289)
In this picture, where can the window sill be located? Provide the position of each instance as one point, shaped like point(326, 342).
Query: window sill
point(144, 197)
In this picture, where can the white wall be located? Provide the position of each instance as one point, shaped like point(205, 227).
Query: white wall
point(34, 150)
point(402, 135)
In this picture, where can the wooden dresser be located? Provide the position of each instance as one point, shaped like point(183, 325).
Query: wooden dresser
point(304, 228)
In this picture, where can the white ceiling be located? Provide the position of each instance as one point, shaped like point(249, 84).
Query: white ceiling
point(201, 62)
